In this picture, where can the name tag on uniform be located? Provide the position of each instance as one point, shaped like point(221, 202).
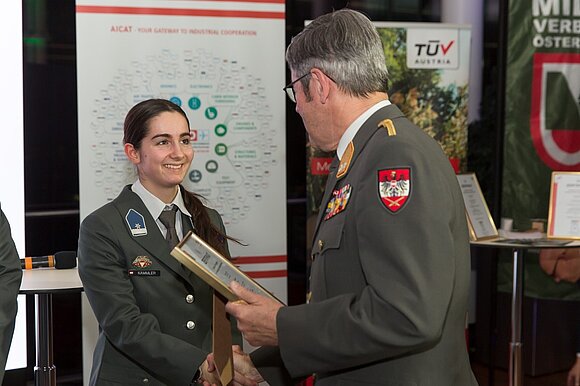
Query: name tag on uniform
point(148, 272)
point(142, 263)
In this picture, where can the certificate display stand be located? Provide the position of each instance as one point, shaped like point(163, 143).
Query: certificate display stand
point(515, 368)
point(42, 283)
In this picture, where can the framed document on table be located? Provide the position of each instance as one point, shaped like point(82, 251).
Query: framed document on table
point(479, 220)
point(564, 211)
point(213, 268)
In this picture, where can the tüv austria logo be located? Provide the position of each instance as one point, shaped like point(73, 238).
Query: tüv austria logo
point(433, 48)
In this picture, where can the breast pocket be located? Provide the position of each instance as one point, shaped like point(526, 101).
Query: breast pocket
point(329, 235)
point(325, 252)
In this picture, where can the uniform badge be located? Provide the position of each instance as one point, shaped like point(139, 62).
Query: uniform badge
point(338, 201)
point(136, 223)
point(394, 187)
point(142, 262)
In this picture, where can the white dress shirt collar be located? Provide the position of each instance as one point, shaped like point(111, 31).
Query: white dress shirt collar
point(155, 206)
point(356, 125)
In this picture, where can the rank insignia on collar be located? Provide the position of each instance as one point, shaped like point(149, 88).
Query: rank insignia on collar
point(142, 262)
point(345, 161)
point(338, 201)
point(394, 188)
point(136, 223)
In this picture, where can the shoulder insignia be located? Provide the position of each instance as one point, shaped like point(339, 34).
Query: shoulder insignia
point(345, 161)
point(394, 188)
point(136, 223)
point(388, 125)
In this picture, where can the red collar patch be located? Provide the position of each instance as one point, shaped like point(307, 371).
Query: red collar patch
point(394, 187)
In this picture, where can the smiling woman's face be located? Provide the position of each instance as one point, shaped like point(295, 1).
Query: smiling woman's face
point(164, 155)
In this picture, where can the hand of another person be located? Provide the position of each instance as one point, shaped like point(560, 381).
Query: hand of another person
point(256, 317)
point(562, 264)
point(245, 369)
point(245, 374)
point(574, 374)
point(209, 377)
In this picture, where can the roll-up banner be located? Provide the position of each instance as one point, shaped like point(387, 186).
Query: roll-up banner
point(223, 63)
point(428, 67)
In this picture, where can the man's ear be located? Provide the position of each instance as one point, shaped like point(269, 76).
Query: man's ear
point(321, 85)
point(132, 153)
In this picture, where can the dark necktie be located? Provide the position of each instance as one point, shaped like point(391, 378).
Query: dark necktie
point(167, 218)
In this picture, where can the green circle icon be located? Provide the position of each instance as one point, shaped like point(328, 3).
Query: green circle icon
point(194, 103)
point(211, 166)
point(220, 130)
point(221, 149)
point(211, 113)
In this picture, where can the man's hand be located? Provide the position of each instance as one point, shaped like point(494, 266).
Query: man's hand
point(245, 373)
point(256, 316)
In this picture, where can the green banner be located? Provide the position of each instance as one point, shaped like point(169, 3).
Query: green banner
point(542, 121)
point(542, 111)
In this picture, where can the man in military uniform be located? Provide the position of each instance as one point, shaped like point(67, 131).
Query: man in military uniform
point(390, 273)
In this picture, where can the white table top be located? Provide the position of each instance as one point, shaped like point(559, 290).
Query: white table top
point(499, 243)
point(50, 280)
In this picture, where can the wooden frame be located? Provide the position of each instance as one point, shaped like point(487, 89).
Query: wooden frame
point(479, 220)
point(564, 210)
point(213, 268)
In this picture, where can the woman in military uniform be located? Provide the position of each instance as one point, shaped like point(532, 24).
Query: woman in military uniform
point(154, 315)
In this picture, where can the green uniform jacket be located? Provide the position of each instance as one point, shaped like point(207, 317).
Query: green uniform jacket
point(154, 316)
point(10, 278)
point(389, 279)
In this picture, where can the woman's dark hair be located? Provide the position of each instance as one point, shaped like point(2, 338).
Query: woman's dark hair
point(135, 128)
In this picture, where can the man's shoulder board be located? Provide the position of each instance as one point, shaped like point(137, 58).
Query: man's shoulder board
point(388, 125)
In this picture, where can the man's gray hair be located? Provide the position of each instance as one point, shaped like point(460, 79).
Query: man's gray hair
point(346, 46)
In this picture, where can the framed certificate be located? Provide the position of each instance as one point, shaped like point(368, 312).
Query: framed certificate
point(479, 220)
point(213, 268)
point(564, 211)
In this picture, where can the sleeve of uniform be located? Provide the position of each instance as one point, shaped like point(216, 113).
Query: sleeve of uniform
point(270, 365)
point(110, 293)
point(407, 258)
point(10, 278)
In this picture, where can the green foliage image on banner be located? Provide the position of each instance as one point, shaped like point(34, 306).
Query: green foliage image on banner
point(439, 109)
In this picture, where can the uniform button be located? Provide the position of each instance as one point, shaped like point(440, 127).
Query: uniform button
point(190, 325)
point(189, 298)
point(320, 244)
point(145, 380)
